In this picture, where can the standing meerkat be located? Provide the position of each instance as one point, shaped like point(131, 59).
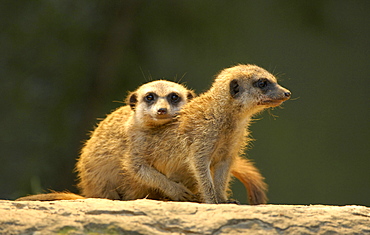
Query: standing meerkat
point(199, 150)
point(151, 106)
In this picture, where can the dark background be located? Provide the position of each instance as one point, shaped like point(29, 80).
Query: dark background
point(64, 63)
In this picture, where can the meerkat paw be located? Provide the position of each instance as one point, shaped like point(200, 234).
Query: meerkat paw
point(182, 193)
point(231, 201)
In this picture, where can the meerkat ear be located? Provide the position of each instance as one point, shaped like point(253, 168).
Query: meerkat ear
point(132, 100)
point(191, 95)
point(234, 88)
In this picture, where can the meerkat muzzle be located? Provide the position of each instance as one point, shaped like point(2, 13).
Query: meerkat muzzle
point(162, 113)
point(274, 102)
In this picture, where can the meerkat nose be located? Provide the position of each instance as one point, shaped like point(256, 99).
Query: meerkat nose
point(287, 94)
point(162, 111)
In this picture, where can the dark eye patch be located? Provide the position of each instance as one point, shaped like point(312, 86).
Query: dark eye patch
point(150, 97)
point(173, 98)
point(262, 83)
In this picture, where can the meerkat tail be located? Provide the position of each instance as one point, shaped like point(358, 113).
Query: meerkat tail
point(252, 179)
point(54, 196)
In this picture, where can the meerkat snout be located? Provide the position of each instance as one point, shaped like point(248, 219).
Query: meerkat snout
point(162, 111)
point(285, 94)
point(271, 93)
point(281, 94)
point(161, 108)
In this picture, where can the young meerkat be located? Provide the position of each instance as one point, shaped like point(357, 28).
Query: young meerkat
point(199, 149)
point(100, 164)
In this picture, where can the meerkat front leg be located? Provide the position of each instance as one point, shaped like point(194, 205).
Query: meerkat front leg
point(221, 178)
point(202, 172)
point(147, 175)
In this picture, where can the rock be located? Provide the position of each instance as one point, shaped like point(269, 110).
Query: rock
point(101, 216)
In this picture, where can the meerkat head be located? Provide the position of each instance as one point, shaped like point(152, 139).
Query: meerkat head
point(252, 87)
point(158, 102)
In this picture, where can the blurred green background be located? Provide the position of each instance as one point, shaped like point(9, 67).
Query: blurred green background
point(63, 65)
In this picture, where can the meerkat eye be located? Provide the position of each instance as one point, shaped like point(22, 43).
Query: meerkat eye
point(262, 83)
point(149, 97)
point(174, 98)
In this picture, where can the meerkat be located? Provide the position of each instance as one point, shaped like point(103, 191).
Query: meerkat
point(199, 149)
point(99, 165)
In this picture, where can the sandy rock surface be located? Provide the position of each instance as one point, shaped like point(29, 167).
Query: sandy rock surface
point(156, 217)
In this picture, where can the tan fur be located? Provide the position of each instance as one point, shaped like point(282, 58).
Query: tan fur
point(198, 150)
point(51, 197)
point(253, 181)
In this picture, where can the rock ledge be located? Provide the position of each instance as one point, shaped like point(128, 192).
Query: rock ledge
point(157, 217)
